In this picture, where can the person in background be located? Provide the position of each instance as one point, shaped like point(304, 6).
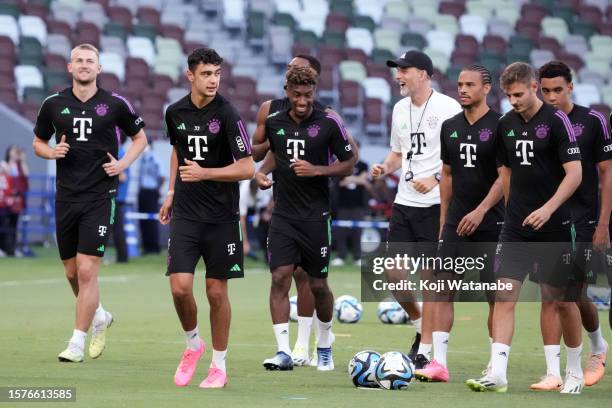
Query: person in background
point(254, 203)
point(148, 201)
point(119, 227)
point(16, 171)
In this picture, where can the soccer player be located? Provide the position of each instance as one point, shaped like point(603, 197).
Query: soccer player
point(84, 120)
point(591, 227)
point(211, 153)
point(415, 148)
point(301, 139)
point(541, 170)
point(306, 315)
point(471, 210)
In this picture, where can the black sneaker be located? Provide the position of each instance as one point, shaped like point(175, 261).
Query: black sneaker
point(420, 361)
point(414, 349)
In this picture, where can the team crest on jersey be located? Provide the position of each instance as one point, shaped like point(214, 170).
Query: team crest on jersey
point(214, 126)
point(101, 109)
point(432, 121)
point(485, 134)
point(541, 131)
point(313, 130)
point(578, 129)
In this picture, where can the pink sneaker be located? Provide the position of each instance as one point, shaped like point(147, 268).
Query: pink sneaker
point(433, 372)
point(187, 366)
point(216, 379)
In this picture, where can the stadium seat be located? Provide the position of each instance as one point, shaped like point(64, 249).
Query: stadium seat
point(307, 38)
point(473, 25)
point(34, 95)
point(588, 76)
point(510, 13)
point(27, 76)
point(533, 13)
point(446, 22)
point(113, 44)
point(601, 44)
point(66, 14)
point(144, 31)
point(419, 25)
point(539, 57)
point(586, 94)
point(352, 71)
point(480, 8)
point(549, 43)
point(397, 9)
point(121, 15)
point(141, 47)
point(350, 99)
point(606, 93)
point(87, 33)
point(93, 13)
point(597, 62)
point(439, 58)
point(233, 15)
point(360, 38)
point(30, 51)
point(372, 9)
point(113, 63)
point(108, 81)
point(344, 7)
point(56, 80)
point(32, 26)
point(583, 28)
point(426, 10)
point(9, 28)
point(413, 40)
point(256, 21)
point(381, 57)
point(388, 40)
point(574, 61)
point(337, 22)
point(281, 41)
point(333, 39)
point(7, 9)
point(176, 17)
point(363, 22)
point(377, 88)
point(494, 44)
point(55, 62)
point(441, 41)
point(555, 27)
point(291, 7)
point(285, 20)
point(374, 117)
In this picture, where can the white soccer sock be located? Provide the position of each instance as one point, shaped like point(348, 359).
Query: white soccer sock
point(78, 338)
point(425, 349)
point(553, 359)
point(218, 359)
point(417, 324)
point(315, 325)
point(440, 346)
point(490, 346)
point(324, 334)
point(573, 360)
point(193, 339)
point(281, 332)
point(598, 343)
point(499, 360)
point(304, 326)
point(100, 316)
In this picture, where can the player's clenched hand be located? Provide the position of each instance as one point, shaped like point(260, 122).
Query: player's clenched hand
point(470, 223)
point(538, 218)
point(192, 171)
point(302, 168)
point(601, 238)
point(61, 149)
point(114, 167)
point(378, 170)
point(166, 210)
point(263, 181)
point(425, 185)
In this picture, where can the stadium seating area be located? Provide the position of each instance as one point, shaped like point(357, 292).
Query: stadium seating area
point(143, 44)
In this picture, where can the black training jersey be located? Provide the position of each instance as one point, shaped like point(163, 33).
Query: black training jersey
point(470, 151)
point(213, 136)
point(535, 151)
point(92, 131)
point(314, 140)
point(593, 137)
point(283, 104)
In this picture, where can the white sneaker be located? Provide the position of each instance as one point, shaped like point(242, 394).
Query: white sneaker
point(72, 354)
point(487, 383)
point(97, 344)
point(314, 360)
point(300, 356)
point(573, 384)
point(337, 262)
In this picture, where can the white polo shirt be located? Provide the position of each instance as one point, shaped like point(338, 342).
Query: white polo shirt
point(424, 144)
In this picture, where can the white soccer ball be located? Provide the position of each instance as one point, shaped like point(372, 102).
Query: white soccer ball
point(293, 313)
point(361, 369)
point(394, 371)
point(348, 309)
point(390, 312)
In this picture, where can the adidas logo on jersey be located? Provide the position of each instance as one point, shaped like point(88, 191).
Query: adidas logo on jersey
point(281, 132)
point(324, 270)
point(101, 248)
point(66, 111)
point(235, 268)
point(181, 127)
point(510, 133)
point(454, 135)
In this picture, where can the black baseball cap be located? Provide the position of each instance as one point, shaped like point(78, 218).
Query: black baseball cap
point(413, 58)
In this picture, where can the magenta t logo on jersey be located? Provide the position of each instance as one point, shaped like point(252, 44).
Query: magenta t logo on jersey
point(578, 129)
point(313, 130)
point(214, 126)
point(542, 131)
point(485, 134)
point(101, 109)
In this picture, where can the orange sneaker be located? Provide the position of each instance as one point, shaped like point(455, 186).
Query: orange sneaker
point(548, 383)
point(595, 368)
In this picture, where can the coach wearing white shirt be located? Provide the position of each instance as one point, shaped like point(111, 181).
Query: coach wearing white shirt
point(415, 148)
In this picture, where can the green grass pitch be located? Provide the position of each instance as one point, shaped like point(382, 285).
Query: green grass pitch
point(145, 343)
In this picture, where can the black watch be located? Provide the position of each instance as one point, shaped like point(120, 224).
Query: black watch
point(437, 176)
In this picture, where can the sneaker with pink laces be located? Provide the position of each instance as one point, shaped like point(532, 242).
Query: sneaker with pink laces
point(433, 372)
point(187, 366)
point(216, 378)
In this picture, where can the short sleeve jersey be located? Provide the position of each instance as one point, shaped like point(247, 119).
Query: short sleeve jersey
point(593, 137)
point(415, 133)
point(469, 149)
point(314, 140)
point(535, 151)
point(92, 130)
point(213, 136)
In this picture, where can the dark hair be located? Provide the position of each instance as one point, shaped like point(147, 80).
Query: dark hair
point(314, 63)
point(203, 56)
point(301, 76)
point(7, 153)
point(555, 69)
point(485, 74)
point(517, 72)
